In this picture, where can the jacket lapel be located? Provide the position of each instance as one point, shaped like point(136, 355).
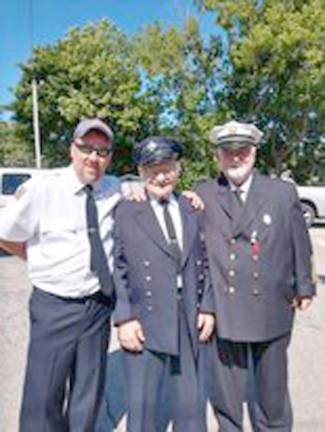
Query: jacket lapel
point(146, 219)
point(223, 197)
point(252, 207)
point(189, 223)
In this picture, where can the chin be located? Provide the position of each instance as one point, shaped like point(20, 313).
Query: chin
point(238, 175)
point(163, 192)
point(92, 176)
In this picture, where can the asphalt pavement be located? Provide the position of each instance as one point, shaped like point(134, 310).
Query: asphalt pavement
point(306, 353)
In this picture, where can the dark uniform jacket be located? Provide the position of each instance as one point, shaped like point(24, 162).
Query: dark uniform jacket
point(146, 272)
point(259, 258)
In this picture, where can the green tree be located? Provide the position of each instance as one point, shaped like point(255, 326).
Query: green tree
point(277, 76)
point(163, 81)
point(90, 72)
point(184, 71)
point(268, 69)
point(13, 152)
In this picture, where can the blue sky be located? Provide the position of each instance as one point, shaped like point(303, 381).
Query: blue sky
point(53, 18)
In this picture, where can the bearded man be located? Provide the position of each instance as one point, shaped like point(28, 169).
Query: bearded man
point(259, 255)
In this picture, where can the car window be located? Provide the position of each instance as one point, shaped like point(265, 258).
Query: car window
point(10, 182)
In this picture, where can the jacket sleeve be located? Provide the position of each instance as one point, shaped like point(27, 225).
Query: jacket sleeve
point(303, 258)
point(207, 303)
point(123, 309)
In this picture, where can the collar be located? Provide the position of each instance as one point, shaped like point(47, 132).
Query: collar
point(155, 201)
point(76, 185)
point(244, 187)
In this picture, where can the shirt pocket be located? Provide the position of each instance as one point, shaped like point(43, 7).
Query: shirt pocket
point(60, 238)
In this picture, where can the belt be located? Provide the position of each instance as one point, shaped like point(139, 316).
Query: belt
point(97, 296)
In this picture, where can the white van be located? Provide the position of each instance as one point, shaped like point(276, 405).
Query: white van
point(11, 179)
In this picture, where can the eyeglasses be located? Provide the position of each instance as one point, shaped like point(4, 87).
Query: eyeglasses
point(88, 150)
point(241, 152)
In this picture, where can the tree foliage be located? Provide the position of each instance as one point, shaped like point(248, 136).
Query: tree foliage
point(13, 152)
point(269, 69)
point(90, 72)
point(277, 76)
point(185, 72)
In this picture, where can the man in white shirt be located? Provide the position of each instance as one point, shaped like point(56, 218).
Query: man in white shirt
point(65, 222)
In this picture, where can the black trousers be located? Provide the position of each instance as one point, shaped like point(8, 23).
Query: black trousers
point(256, 372)
point(149, 375)
point(66, 363)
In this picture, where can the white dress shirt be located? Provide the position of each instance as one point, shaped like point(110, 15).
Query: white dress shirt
point(175, 215)
point(50, 216)
point(243, 188)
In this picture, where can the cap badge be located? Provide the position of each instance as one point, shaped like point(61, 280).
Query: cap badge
point(151, 146)
point(233, 129)
point(267, 219)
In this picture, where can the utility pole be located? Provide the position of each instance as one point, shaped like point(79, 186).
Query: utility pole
point(37, 141)
point(36, 127)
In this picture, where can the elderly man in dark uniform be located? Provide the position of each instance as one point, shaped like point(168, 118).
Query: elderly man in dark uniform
point(164, 302)
point(260, 263)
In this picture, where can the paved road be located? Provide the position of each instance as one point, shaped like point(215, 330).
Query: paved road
point(306, 356)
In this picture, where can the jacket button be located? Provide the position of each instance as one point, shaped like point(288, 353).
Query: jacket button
point(256, 292)
point(198, 262)
point(232, 257)
point(231, 273)
point(146, 263)
point(200, 277)
point(255, 257)
point(255, 275)
point(231, 290)
point(149, 308)
point(148, 278)
point(233, 241)
point(149, 293)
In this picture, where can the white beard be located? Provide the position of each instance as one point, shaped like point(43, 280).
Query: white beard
point(238, 174)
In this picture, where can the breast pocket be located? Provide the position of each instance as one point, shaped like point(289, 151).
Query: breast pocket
point(60, 238)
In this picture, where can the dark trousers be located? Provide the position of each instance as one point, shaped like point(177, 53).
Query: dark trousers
point(66, 363)
point(148, 374)
point(263, 368)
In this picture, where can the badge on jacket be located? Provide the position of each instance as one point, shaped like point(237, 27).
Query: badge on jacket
point(255, 245)
point(267, 219)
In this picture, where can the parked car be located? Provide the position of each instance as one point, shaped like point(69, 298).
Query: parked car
point(11, 179)
point(313, 202)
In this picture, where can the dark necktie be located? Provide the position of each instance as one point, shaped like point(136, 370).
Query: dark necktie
point(237, 206)
point(237, 202)
point(173, 243)
point(98, 259)
point(239, 195)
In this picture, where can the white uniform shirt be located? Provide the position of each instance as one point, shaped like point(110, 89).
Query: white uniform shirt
point(50, 216)
point(175, 214)
point(244, 188)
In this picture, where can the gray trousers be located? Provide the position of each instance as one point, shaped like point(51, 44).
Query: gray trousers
point(66, 363)
point(256, 372)
point(150, 375)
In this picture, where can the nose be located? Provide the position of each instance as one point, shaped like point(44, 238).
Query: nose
point(160, 177)
point(93, 155)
